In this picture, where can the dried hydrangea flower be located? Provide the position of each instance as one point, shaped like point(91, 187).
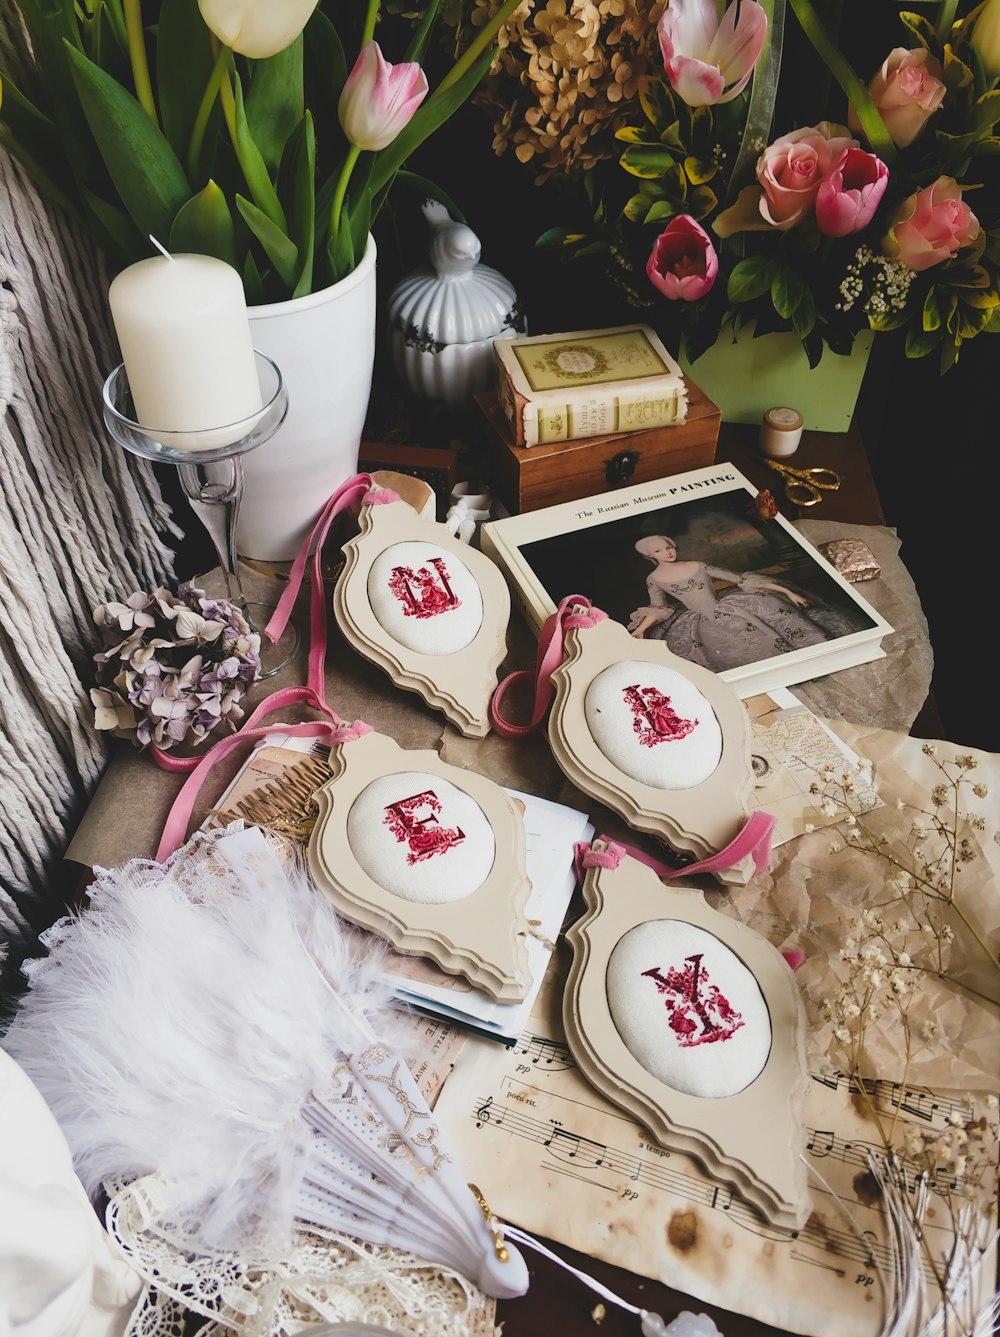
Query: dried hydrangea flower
point(173, 667)
point(564, 77)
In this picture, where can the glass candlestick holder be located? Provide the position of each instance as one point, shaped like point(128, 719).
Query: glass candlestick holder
point(210, 461)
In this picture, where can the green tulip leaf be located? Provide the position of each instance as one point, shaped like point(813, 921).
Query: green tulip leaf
point(418, 46)
point(106, 44)
point(360, 215)
point(860, 99)
point(253, 284)
point(275, 101)
point(340, 254)
point(28, 126)
point(254, 169)
point(278, 246)
point(750, 278)
point(428, 118)
point(204, 226)
point(144, 168)
point(55, 31)
point(123, 238)
point(39, 175)
point(324, 53)
point(297, 181)
point(183, 65)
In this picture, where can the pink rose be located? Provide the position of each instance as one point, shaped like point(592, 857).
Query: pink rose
point(790, 171)
point(683, 263)
point(907, 91)
point(850, 192)
point(930, 226)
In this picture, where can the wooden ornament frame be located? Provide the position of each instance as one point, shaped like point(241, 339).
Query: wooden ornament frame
point(480, 937)
point(753, 1140)
point(701, 820)
point(459, 684)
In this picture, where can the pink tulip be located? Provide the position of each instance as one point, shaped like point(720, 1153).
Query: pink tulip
point(790, 171)
point(930, 226)
point(850, 192)
point(706, 61)
point(907, 91)
point(683, 263)
point(379, 99)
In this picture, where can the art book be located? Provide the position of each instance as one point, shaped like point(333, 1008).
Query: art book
point(688, 561)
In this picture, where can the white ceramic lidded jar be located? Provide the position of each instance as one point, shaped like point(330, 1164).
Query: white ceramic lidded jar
point(444, 317)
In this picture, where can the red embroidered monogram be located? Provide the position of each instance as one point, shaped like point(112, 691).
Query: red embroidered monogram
point(699, 1014)
point(414, 821)
point(422, 592)
point(653, 717)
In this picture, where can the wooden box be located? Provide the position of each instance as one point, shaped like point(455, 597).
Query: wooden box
point(526, 478)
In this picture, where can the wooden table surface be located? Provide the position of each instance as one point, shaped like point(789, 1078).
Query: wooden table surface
point(557, 1305)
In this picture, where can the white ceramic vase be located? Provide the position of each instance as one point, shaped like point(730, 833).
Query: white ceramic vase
point(324, 346)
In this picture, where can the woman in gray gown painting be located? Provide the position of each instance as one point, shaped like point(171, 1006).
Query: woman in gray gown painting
point(757, 619)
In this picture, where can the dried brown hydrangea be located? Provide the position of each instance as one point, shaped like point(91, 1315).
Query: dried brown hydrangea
point(565, 76)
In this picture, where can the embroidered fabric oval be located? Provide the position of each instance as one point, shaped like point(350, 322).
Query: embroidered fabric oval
point(688, 1009)
point(421, 837)
point(653, 724)
point(425, 597)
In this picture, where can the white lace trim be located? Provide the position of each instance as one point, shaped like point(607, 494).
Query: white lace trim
point(327, 1277)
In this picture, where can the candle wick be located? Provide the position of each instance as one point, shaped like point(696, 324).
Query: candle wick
point(162, 249)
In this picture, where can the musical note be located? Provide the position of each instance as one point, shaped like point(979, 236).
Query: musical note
point(483, 1113)
point(821, 1142)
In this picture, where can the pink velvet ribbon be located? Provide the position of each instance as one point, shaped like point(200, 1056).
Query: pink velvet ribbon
point(757, 830)
point(753, 838)
point(573, 611)
point(313, 694)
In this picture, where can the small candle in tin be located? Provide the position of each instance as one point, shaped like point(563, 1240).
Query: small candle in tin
point(781, 431)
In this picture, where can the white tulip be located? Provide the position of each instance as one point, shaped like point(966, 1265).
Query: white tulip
point(257, 28)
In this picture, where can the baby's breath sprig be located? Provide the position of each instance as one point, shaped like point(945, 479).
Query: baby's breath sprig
point(925, 858)
point(896, 947)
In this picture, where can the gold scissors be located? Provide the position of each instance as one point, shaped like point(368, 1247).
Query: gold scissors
point(805, 487)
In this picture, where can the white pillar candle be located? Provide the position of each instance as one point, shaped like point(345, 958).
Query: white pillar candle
point(185, 340)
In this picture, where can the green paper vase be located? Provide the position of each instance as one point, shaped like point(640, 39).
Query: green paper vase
point(747, 376)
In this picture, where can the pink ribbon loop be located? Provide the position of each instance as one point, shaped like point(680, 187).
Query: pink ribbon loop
point(550, 656)
point(313, 694)
point(753, 838)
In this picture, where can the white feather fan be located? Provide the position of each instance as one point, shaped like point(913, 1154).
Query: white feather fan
point(210, 1019)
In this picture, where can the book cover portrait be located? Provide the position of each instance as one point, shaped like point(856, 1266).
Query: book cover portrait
point(687, 561)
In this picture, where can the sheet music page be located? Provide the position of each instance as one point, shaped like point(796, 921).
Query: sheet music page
point(552, 1156)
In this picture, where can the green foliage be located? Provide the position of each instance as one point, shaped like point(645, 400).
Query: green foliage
point(216, 153)
point(675, 159)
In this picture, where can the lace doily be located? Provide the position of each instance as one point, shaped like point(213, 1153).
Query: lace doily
point(326, 1278)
